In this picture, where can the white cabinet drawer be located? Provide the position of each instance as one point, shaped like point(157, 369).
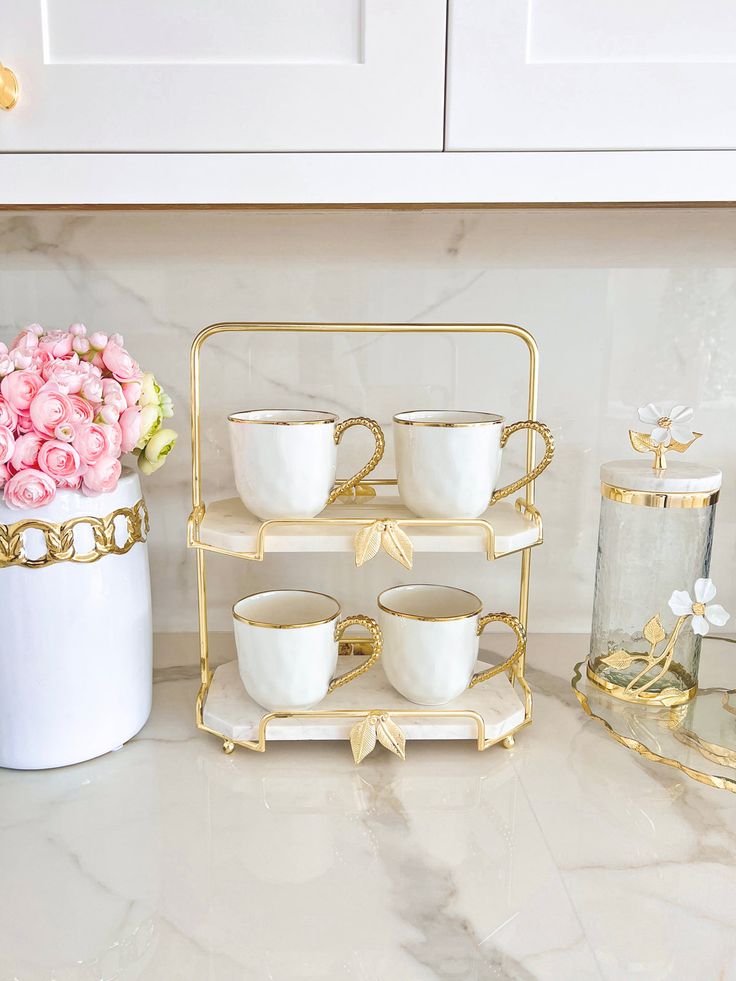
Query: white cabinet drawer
point(225, 75)
point(576, 75)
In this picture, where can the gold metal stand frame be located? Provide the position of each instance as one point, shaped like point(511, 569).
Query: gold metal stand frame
point(514, 667)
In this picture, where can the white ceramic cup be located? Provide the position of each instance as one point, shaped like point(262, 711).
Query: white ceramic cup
point(285, 460)
point(430, 641)
point(287, 642)
point(448, 462)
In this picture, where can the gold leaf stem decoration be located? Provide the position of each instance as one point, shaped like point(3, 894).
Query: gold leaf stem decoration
point(377, 727)
point(386, 534)
point(653, 632)
point(643, 443)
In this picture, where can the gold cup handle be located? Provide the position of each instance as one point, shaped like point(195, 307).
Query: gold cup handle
point(9, 88)
point(377, 432)
point(518, 628)
point(549, 442)
point(359, 620)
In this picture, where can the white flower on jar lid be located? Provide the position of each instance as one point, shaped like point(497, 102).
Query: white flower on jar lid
point(670, 422)
point(703, 614)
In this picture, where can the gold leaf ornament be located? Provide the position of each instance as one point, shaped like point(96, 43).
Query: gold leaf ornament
point(385, 534)
point(368, 542)
point(391, 736)
point(363, 738)
point(642, 442)
point(396, 543)
point(618, 659)
point(653, 631)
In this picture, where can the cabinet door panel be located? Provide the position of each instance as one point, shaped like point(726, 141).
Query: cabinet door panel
point(576, 75)
point(238, 75)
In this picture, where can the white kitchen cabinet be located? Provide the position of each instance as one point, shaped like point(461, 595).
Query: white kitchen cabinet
point(224, 75)
point(576, 75)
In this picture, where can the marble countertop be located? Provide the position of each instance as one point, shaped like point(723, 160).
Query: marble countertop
point(568, 857)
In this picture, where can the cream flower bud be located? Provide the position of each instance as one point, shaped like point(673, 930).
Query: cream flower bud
point(156, 451)
point(149, 390)
point(150, 422)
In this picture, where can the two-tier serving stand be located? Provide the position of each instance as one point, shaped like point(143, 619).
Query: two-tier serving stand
point(490, 713)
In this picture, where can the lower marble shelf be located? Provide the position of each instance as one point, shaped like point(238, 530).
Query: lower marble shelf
point(230, 712)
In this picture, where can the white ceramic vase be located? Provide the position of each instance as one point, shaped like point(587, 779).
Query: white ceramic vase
point(76, 638)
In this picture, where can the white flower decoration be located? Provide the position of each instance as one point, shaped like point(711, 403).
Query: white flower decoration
point(670, 422)
point(703, 615)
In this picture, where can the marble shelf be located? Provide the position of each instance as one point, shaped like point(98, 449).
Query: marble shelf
point(228, 526)
point(229, 711)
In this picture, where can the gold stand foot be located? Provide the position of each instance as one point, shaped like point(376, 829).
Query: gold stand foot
point(228, 746)
point(509, 742)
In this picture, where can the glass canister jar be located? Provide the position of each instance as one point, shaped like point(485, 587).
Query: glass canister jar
point(655, 539)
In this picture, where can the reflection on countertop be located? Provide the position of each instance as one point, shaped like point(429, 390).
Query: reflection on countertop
point(568, 857)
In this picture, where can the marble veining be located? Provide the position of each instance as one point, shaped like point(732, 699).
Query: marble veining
point(170, 860)
point(621, 302)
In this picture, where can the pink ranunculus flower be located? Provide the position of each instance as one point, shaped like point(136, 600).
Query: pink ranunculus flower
point(90, 442)
point(77, 330)
point(69, 375)
point(26, 341)
point(98, 340)
point(59, 460)
point(50, 407)
point(8, 415)
point(4, 475)
point(7, 444)
point(80, 345)
point(20, 360)
point(109, 414)
point(70, 483)
point(19, 389)
point(92, 390)
point(114, 437)
point(65, 432)
point(58, 343)
point(112, 394)
point(82, 411)
point(25, 454)
point(25, 424)
point(132, 392)
point(29, 489)
point(120, 364)
point(103, 476)
point(130, 427)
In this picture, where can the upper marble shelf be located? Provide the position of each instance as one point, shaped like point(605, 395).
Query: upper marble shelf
point(227, 527)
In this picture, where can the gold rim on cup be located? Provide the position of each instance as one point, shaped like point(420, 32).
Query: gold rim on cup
point(325, 417)
point(489, 418)
point(286, 626)
point(430, 619)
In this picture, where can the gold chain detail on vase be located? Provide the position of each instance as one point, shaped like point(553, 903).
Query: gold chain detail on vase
point(59, 538)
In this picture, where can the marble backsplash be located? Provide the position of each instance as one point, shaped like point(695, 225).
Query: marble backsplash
point(627, 306)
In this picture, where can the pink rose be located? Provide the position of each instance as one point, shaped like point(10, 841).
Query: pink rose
point(8, 415)
point(49, 408)
point(58, 343)
point(59, 460)
point(25, 454)
point(112, 394)
point(19, 389)
point(130, 427)
point(103, 476)
point(7, 444)
point(90, 442)
point(82, 411)
point(120, 364)
point(29, 489)
point(132, 392)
